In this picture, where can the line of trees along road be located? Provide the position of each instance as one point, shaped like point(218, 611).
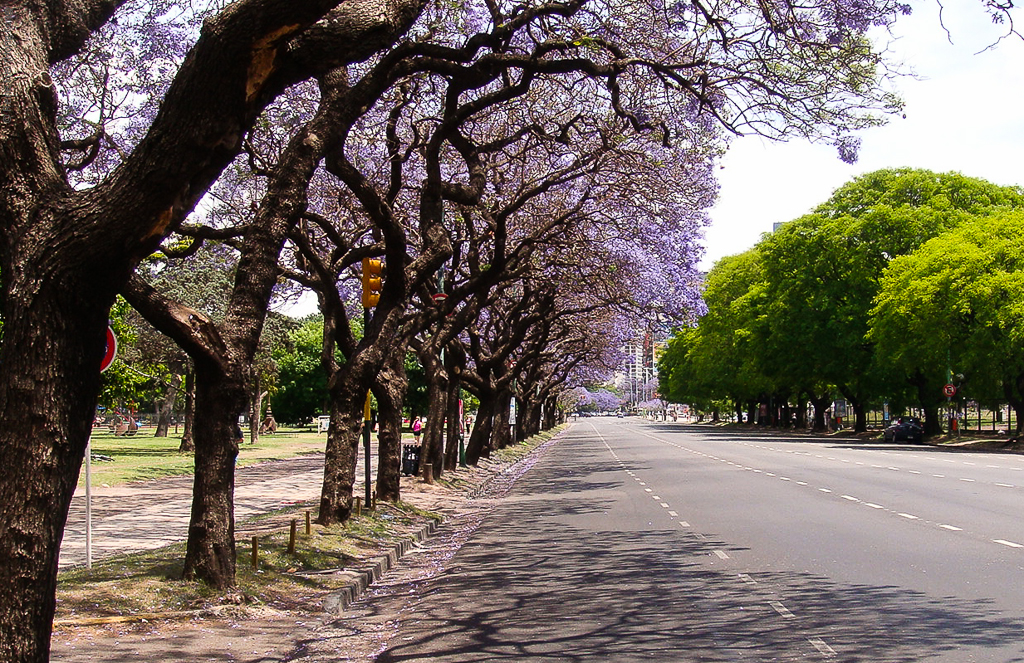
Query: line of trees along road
point(899, 283)
point(554, 158)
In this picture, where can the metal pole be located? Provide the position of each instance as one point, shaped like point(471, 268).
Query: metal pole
point(366, 423)
point(88, 504)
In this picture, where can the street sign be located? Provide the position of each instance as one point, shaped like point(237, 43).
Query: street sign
point(110, 352)
point(949, 390)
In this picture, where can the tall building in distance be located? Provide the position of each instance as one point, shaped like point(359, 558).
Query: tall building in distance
point(638, 378)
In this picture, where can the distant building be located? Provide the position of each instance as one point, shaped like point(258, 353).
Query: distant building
point(638, 377)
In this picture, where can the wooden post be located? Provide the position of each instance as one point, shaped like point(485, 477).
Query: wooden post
point(428, 472)
point(309, 529)
point(255, 553)
point(359, 507)
point(291, 537)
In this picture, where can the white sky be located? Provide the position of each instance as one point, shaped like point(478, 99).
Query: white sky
point(964, 112)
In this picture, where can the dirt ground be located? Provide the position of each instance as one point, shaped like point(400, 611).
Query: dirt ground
point(301, 629)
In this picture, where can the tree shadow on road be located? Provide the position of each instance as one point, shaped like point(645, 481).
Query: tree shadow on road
point(532, 587)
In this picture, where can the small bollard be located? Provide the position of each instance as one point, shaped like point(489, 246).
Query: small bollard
point(428, 473)
point(291, 537)
point(309, 528)
point(359, 506)
point(255, 553)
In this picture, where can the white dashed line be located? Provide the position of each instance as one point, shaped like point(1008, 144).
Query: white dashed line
point(673, 514)
point(850, 498)
point(747, 579)
point(781, 609)
point(873, 505)
point(825, 490)
point(909, 516)
point(951, 528)
point(1010, 544)
point(721, 554)
point(683, 523)
point(822, 647)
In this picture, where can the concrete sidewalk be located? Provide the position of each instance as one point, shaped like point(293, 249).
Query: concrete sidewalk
point(151, 514)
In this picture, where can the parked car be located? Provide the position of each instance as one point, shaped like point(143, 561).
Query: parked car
point(910, 429)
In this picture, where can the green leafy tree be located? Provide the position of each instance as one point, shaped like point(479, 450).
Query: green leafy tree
point(302, 384)
point(954, 306)
point(716, 360)
point(822, 274)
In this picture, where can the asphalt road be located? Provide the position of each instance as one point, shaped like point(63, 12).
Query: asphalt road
point(632, 541)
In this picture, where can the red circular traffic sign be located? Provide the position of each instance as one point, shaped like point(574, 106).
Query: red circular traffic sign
point(949, 390)
point(110, 352)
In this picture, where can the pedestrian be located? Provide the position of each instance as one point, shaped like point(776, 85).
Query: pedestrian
point(417, 428)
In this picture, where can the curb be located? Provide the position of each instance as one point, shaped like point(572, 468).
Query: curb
point(372, 571)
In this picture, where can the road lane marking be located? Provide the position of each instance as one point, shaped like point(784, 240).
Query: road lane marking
point(873, 505)
point(683, 523)
point(673, 514)
point(1005, 485)
point(781, 609)
point(908, 516)
point(952, 528)
point(747, 579)
point(1011, 544)
point(664, 506)
point(850, 498)
point(825, 490)
point(967, 480)
point(822, 647)
point(721, 554)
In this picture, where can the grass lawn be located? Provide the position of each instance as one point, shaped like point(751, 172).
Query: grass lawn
point(142, 456)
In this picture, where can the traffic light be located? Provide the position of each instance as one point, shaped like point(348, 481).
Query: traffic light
point(373, 280)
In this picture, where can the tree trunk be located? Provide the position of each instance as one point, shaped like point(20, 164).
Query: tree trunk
point(48, 387)
point(501, 434)
point(454, 430)
point(479, 441)
point(210, 552)
point(389, 389)
point(343, 436)
point(530, 416)
point(188, 442)
point(432, 450)
point(165, 406)
point(820, 404)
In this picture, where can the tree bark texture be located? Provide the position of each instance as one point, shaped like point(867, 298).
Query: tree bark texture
point(389, 390)
point(188, 442)
point(436, 376)
point(480, 440)
point(210, 551)
point(453, 432)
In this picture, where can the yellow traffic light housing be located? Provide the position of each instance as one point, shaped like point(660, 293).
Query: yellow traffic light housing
point(373, 281)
